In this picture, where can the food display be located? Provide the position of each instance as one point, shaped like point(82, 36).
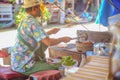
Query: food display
point(67, 61)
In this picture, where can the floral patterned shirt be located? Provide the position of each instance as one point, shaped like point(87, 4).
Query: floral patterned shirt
point(21, 55)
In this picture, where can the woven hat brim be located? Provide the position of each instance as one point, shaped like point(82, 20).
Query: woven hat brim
point(28, 6)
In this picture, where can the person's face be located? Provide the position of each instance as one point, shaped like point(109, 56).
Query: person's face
point(70, 6)
point(37, 11)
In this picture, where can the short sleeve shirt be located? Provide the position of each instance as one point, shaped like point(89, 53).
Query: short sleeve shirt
point(68, 11)
point(21, 55)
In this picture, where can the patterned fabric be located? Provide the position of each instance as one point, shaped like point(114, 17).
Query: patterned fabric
point(21, 55)
point(53, 1)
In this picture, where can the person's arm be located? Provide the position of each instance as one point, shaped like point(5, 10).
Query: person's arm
point(39, 35)
point(53, 41)
point(53, 31)
point(87, 5)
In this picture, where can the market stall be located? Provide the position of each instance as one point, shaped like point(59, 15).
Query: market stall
point(91, 54)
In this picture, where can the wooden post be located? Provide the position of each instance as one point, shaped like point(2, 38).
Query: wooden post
point(110, 75)
point(62, 13)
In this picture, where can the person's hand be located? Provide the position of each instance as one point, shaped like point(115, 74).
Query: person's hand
point(66, 39)
point(55, 30)
point(49, 61)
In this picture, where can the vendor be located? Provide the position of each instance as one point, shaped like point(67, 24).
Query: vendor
point(69, 10)
point(69, 14)
point(27, 55)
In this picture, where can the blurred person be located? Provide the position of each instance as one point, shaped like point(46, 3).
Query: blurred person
point(69, 10)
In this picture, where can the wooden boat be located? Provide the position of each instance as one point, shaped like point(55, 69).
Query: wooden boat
point(96, 69)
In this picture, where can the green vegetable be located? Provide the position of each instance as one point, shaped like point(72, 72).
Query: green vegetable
point(67, 61)
point(12, 1)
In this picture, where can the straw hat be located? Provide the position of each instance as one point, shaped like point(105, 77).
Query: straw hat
point(30, 3)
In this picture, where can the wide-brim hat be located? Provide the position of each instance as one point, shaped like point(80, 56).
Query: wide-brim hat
point(30, 3)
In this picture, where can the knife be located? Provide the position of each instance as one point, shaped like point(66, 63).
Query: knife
point(75, 38)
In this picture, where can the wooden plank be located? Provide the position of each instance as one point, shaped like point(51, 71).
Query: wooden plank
point(101, 57)
point(98, 64)
point(91, 71)
point(91, 74)
point(96, 68)
point(87, 77)
point(95, 36)
point(101, 61)
point(72, 78)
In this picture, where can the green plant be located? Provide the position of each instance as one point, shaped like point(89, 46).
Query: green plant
point(12, 1)
point(46, 14)
point(67, 61)
point(20, 15)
